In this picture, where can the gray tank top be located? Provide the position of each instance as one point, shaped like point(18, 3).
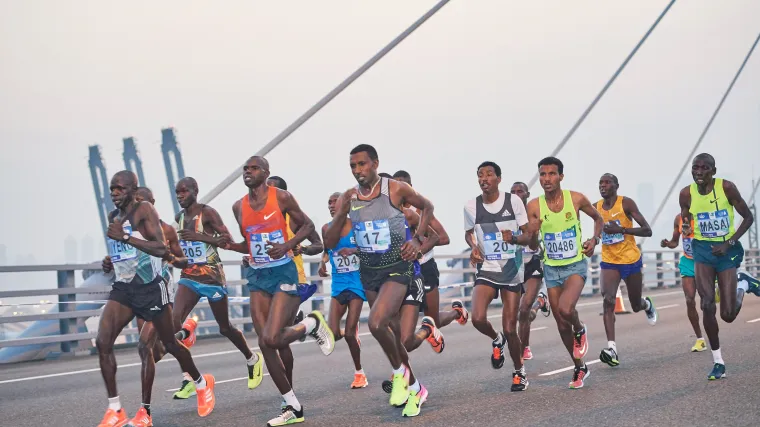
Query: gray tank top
point(380, 229)
point(502, 261)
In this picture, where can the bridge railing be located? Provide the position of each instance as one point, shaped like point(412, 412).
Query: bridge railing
point(660, 270)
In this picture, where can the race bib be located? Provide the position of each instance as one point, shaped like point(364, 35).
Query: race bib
point(122, 251)
point(611, 239)
point(195, 252)
point(561, 245)
point(714, 224)
point(345, 264)
point(373, 237)
point(496, 248)
point(258, 246)
point(687, 247)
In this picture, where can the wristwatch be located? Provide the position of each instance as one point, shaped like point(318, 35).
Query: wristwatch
point(419, 254)
point(513, 240)
point(597, 239)
point(126, 237)
point(731, 242)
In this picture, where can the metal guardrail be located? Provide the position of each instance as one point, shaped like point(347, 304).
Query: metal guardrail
point(660, 270)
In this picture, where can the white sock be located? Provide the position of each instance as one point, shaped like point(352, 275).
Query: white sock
point(522, 370)
point(611, 344)
point(200, 383)
point(416, 386)
point(399, 370)
point(290, 399)
point(309, 323)
point(359, 372)
point(743, 285)
point(717, 358)
point(113, 403)
point(252, 361)
point(186, 376)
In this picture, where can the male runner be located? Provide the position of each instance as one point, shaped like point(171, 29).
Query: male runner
point(346, 290)
point(710, 202)
point(430, 280)
point(532, 299)
point(273, 277)
point(491, 224)
point(686, 268)
point(201, 232)
point(136, 248)
point(621, 259)
point(555, 214)
point(388, 266)
point(145, 348)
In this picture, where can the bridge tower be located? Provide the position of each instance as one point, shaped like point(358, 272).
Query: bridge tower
point(169, 146)
point(100, 185)
point(132, 159)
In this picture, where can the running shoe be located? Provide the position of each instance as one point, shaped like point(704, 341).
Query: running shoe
point(718, 372)
point(497, 357)
point(322, 333)
point(580, 344)
point(527, 354)
point(360, 381)
point(700, 345)
point(206, 398)
point(141, 419)
point(519, 381)
point(435, 337)
point(287, 417)
point(189, 325)
point(414, 402)
point(399, 388)
point(256, 372)
point(299, 318)
point(186, 391)
point(753, 285)
point(579, 375)
point(464, 315)
point(114, 418)
point(543, 304)
point(652, 312)
point(609, 356)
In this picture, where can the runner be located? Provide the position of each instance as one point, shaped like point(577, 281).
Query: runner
point(491, 224)
point(202, 231)
point(686, 268)
point(555, 214)
point(346, 290)
point(388, 267)
point(533, 299)
point(430, 280)
point(150, 347)
point(621, 259)
point(136, 249)
point(273, 277)
point(710, 202)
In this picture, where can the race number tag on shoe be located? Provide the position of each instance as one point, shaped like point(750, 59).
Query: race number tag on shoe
point(195, 252)
point(373, 237)
point(258, 246)
point(713, 224)
point(496, 248)
point(561, 245)
point(611, 239)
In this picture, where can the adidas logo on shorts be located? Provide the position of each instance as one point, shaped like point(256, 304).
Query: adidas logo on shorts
point(216, 295)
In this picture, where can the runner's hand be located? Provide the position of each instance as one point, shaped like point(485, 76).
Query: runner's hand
point(589, 246)
point(476, 257)
point(107, 264)
point(276, 250)
point(720, 250)
point(116, 231)
point(612, 228)
point(189, 235)
point(345, 206)
point(409, 250)
point(664, 243)
point(246, 261)
point(322, 269)
point(346, 252)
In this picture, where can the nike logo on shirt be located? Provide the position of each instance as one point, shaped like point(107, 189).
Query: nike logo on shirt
point(356, 208)
point(266, 217)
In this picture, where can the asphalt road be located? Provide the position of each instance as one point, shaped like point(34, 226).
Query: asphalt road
point(659, 382)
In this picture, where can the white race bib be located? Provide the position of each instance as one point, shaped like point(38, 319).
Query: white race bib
point(195, 252)
point(345, 264)
point(258, 246)
point(561, 245)
point(687, 247)
point(611, 239)
point(496, 248)
point(122, 251)
point(714, 224)
point(373, 237)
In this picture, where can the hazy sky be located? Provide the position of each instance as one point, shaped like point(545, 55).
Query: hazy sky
point(483, 80)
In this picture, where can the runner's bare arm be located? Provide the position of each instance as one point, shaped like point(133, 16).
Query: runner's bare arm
point(213, 222)
point(153, 237)
point(443, 236)
point(408, 195)
point(684, 200)
point(233, 246)
point(177, 257)
point(413, 219)
point(583, 204)
point(534, 222)
point(331, 235)
point(673, 242)
point(298, 219)
point(632, 210)
point(738, 202)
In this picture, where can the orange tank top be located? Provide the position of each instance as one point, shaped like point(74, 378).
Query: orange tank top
point(688, 252)
point(618, 248)
point(262, 226)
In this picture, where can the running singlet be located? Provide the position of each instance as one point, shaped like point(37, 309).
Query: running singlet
point(688, 252)
point(713, 214)
point(380, 229)
point(261, 226)
point(560, 232)
point(345, 269)
point(204, 262)
point(499, 255)
point(130, 265)
point(617, 248)
point(298, 259)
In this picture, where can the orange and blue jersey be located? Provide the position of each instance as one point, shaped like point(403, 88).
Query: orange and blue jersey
point(262, 226)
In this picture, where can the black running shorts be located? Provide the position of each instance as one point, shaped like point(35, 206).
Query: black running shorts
point(430, 275)
point(146, 300)
point(533, 269)
point(401, 272)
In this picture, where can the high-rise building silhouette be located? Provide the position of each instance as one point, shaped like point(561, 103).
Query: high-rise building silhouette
point(87, 249)
point(70, 250)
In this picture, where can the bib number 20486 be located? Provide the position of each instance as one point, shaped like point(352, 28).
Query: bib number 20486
point(561, 245)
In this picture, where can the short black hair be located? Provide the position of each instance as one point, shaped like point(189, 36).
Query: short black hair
point(522, 184)
point(190, 182)
point(385, 175)
point(613, 177)
point(402, 174)
point(548, 161)
point(370, 150)
point(145, 190)
point(707, 158)
point(495, 167)
point(281, 184)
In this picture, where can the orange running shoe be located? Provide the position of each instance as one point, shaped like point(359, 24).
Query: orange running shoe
point(527, 354)
point(463, 313)
point(141, 419)
point(580, 343)
point(435, 337)
point(206, 399)
point(579, 375)
point(360, 381)
point(190, 326)
point(114, 418)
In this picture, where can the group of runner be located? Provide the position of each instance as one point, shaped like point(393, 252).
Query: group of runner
point(380, 246)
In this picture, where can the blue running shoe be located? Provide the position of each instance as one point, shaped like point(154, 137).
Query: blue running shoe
point(306, 291)
point(718, 372)
point(753, 285)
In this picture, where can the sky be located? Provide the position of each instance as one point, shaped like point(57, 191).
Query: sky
point(496, 80)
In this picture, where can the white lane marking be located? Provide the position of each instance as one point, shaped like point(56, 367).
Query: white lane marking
point(221, 382)
point(61, 374)
point(666, 307)
point(753, 320)
point(569, 368)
